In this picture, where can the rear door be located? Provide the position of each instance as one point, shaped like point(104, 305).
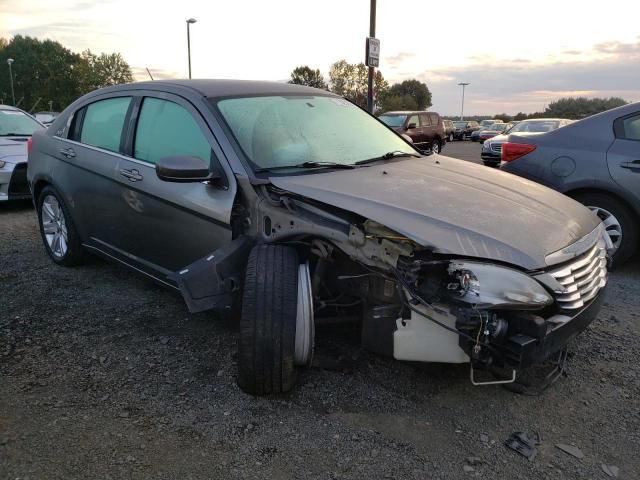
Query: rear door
point(169, 225)
point(623, 156)
point(89, 159)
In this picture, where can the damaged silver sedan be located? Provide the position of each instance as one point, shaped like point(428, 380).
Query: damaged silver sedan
point(286, 205)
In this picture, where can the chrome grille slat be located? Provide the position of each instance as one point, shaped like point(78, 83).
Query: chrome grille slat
point(582, 278)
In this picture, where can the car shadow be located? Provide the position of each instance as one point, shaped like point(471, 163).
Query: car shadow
point(16, 206)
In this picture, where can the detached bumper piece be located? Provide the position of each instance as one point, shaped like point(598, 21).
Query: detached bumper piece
point(214, 282)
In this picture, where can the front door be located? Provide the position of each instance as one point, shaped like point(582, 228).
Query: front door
point(167, 225)
point(623, 156)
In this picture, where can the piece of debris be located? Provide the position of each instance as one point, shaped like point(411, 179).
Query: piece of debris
point(474, 461)
point(611, 470)
point(524, 444)
point(570, 449)
point(468, 469)
point(164, 340)
point(484, 438)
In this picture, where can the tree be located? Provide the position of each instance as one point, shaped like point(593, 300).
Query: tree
point(504, 117)
point(3, 43)
point(42, 70)
point(304, 75)
point(414, 89)
point(581, 107)
point(351, 81)
point(398, 102)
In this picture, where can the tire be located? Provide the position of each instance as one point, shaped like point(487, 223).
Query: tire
point(268, 321)
point(436, 146)
point(58, 232)
point(628, 223)
point(451, 137)
point(490, 164)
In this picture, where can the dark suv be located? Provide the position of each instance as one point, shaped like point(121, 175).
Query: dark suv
point(464, 129)
point(425, 128)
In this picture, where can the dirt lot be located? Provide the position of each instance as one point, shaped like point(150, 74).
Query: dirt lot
point(105, 375)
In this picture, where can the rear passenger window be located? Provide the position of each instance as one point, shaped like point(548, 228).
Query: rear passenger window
point(166, 129)
point(103, 121)
point(434, 119)
point(631, 128)
point(424, 120)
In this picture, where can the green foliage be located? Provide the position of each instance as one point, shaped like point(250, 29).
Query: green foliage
point(351, 81)
point(305, 75)
point(504, 117)
point(414, 89)
point(398, 102)
point(581, 107)
point(98, 71)
point(45, 71)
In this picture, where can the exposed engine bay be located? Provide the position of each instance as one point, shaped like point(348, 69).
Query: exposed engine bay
point(413, 303)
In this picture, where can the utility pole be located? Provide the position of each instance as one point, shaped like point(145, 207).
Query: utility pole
point(13, 95)
point(463, 84)
point(372, 34)
point(189, 22)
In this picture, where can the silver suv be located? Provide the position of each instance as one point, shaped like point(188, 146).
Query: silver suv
point(289, 206)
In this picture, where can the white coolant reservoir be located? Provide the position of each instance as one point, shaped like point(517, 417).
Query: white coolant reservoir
point(421, 340)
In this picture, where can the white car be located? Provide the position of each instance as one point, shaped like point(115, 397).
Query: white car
point(16, 128)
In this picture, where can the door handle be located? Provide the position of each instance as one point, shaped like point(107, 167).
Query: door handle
point(633, 165)
point(68, 152)
point(133, 175)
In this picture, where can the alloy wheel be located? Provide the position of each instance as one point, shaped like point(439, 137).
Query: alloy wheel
point(54, 226)
point(612, 225)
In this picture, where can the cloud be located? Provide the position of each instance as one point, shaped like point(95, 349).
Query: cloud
point(395, 61)
point(512, 85)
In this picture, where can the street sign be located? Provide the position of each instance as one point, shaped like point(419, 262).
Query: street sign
point(372, 52)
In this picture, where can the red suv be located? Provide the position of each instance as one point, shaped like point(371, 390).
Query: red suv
point(425, 128)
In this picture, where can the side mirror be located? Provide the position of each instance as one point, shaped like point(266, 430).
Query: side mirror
point(184, 169)
point(411, 125)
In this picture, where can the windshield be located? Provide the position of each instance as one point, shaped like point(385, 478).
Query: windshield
point(277, 131)
point(460, 124)
point(496, 127)
point(17, 123)
point(393, 120)
point(536, 126)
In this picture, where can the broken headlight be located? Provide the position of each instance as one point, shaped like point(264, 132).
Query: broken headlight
point(492, 286)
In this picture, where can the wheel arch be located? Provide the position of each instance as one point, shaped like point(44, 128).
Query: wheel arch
point(602, 191)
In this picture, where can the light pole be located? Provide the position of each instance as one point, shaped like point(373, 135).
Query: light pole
point(463, 84)
point(13, 95)
point(189, 22)
point(371, 73)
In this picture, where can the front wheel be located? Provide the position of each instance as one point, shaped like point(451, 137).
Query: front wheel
point(619, 221)
point(60, 238)
point(276, 325)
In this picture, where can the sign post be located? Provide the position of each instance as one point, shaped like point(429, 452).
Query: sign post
point(372, 55)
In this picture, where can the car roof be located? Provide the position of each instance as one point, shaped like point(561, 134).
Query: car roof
point(543, 119)
point(219, 88)
point(9, 107)
point(407, 112)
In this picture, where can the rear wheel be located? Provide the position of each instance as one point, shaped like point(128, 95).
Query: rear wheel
point(276, 325)
point(619, 221)
point(435, 146)
point(60, 238)
point(451, 137)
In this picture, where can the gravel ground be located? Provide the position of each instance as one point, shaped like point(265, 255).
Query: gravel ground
point(106, 375)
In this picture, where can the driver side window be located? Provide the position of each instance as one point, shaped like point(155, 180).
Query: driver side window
point(166, 129)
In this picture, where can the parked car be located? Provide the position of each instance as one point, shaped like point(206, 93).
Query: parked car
point(298, 206)
point(449, 129)
point(489, 122)
point(485, 133)
point(425, 129)
point(46, 118)
point(492, 149)
point(596, 161)
point(16, 127)
point(465, 129)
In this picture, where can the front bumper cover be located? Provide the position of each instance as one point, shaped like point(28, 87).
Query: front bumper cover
point(521, 350)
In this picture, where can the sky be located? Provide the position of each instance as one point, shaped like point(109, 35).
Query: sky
point(517, 56)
